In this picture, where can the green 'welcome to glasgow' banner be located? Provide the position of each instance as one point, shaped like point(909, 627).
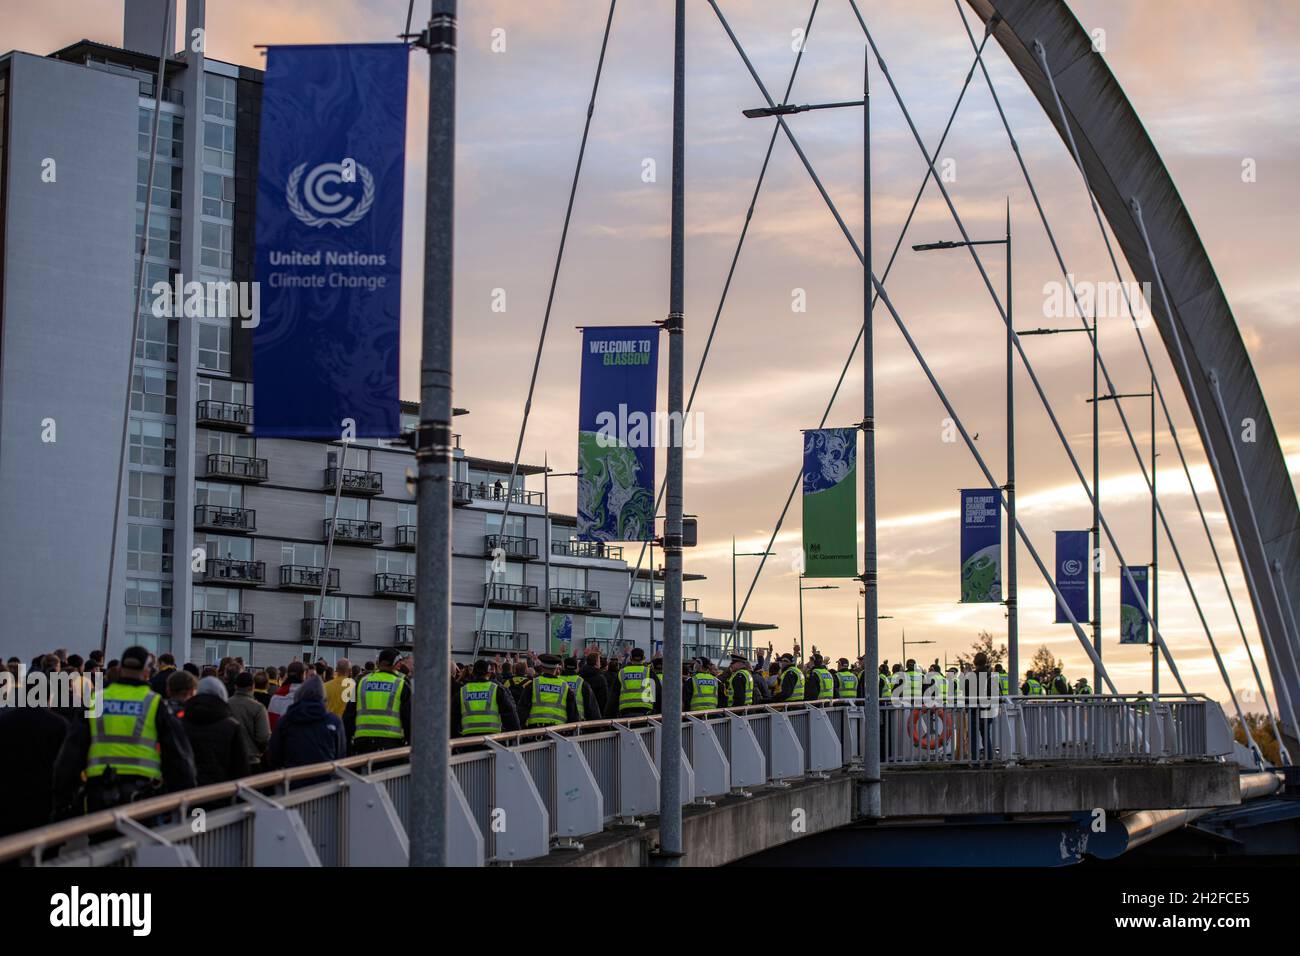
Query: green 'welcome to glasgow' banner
point(830, 503)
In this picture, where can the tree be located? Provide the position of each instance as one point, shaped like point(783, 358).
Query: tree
point(1262, 733)
point(1044, 662)
point(996, 655)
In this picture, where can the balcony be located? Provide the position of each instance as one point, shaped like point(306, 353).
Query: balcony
point(523, 548)
point(210, 413)
point(691, 605)
point(349, 531)
point(460, 493)
point(587, 549)
point(573, 599)
point(221, 623)
point(463, 492)
point(355, 481)
point(234, 572)
point(501, 640)
point(511, 595)
point(404, 636)
point(236, 468)
point(219, 518)
point(395, 585)
point(302, 577)
point(332, 631)
point(404, 537)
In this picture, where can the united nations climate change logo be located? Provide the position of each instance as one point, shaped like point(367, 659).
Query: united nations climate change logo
point(1072, 566)
point(317, 202)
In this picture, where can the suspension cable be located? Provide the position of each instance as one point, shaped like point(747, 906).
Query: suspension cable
point(546, 321)
point(1069, 279)
point(916, 352)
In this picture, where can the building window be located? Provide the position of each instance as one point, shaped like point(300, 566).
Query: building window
point(155, 644)
point(148, 548)
point(219, 96)
point(158, 338)
point(216, 243)
point(336, 608)
point(515, 525)
point(407, 515)
point(303, 555)
point(216, 599)
point(166, 185)
point(148, 603)
point(164, 234)
point(227, 547)
point(226, 443)
point(406, 613)
point(218, 495)
point(497, 619)
point(573, 578)
point(225, 390)
point(512, 573)
point(601, 628)
point(214, 346)
point(218, 196)
point(153, 390)
point(171, 134)
point(214, 652)
point(350, 509)
point(394, 562)
point(151, 495)
point(218, 146)
point(153, 443)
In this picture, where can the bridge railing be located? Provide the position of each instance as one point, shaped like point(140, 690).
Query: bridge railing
point(521, 795)
point(1035, 729)
point(512, 796)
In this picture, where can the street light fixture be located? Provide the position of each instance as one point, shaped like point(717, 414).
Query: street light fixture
point(913, 643)
point(788, 109)
point(1013, 620)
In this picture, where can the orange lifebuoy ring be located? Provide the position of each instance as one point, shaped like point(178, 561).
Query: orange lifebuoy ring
point(930, 740)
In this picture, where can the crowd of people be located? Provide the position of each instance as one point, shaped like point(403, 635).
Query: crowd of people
point(161, 727)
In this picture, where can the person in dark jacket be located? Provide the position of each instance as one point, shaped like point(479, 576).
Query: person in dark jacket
point(215, 735)
point(588, 704)
point(594, 677)
point(307, 733)
point(30, 738)
point(158, 683)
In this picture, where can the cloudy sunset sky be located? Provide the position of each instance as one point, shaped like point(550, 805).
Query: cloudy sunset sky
point(1214, 83)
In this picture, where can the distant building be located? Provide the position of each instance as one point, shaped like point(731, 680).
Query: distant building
point(221, 547)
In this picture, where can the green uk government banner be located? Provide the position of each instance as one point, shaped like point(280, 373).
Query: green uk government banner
point(830, 502)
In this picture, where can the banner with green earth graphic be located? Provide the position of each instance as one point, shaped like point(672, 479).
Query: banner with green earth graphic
point(981, 546)
point(830, 503)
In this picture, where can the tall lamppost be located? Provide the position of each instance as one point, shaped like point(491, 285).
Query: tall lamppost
point(1013, 658)
point(815, 587)
point(1013, 624)
point(546, 527)
point(1154, 604)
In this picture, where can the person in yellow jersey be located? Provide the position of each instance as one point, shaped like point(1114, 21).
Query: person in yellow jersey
point(380, 716)
point(583, 695)
point(634, 688)
point(482, 706)
point(791, 687)
point(846, 680)
point(701, 689)
point(820, 683)
point(340, 689)
point(547, 700)
point(134, 748)
point(742, 684)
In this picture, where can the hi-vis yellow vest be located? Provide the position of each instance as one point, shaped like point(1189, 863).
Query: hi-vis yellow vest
point(125, 735)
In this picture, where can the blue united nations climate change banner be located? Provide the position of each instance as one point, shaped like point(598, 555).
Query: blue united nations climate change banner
point(1072, 574)
point(981, 546)
point(616, 433)
point(1132, 622)
point(329, 240)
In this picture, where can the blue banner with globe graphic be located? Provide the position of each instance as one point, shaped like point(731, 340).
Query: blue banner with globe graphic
point(560, 637)
point(328, 262)
point(1072, 574)
point(1132, 622)
point(616, 433)
point(981, 546)
point(830, 502)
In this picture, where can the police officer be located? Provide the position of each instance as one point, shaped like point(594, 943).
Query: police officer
point(1081, 686)
point(485, 706)
point(633, 692)
point(583, 695)
point(791, 687)
point(741, 684)
point(1004, 680)
point(380, 716)
point(134, 748)
point(821, 683)
point(1031, 687)
point(846, 682)
point(700, 692)
point(1059, 684)
point(912, 680)
point(546, 700)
